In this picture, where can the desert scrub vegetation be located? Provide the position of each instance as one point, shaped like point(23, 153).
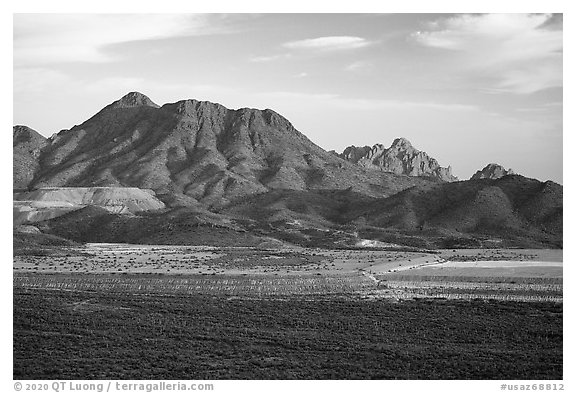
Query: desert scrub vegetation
point(467, 288)
point(197, 284)
point(122, 335)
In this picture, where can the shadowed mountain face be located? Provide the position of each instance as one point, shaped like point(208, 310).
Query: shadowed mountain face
point(27, 146)
point(400, 158)
point(510, 207)
point(199, 151)
point(509, 212)
point(492, 171)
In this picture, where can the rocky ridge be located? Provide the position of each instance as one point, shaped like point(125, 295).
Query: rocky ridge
point(400, 158)
point(492, 171)
point(27, 146)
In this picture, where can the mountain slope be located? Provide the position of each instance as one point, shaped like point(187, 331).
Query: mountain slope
point(27, 147)
point(199, 151)
point(400, 158)
point(512, 211)
point(176, 226)
point(512, 207)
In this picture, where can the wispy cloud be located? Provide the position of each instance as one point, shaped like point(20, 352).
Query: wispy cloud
point(335, 100)
point(333, 43)
point(266, 59)
point(53, 38)
point(522, 52)
point(358, 66)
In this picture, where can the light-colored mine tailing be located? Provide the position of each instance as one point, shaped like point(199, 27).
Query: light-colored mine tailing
point(47, 203)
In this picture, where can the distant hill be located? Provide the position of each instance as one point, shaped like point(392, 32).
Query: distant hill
point(177, 226)
point(400, 158)
point(512, 208)
point(28, 242)
point(27, 146)
point(512, 211)
point(492, 171)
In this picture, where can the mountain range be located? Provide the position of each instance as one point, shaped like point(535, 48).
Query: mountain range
point(196, 151)
point(249, 175)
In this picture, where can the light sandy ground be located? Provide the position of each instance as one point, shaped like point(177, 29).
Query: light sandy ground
point(479, 263)
point(543, 270)
point(126, 258)
point(500, 264)
point(403, 265)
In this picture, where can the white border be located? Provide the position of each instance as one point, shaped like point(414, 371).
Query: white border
point(356, 6)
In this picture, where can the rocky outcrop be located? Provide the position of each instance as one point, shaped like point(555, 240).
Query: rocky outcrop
point(492, 171)
point(27, 146)
point(400, 158)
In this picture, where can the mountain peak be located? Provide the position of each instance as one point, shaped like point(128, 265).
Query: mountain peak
point(401, 143)
point(400, 158)
point(492, 171)
point(134, 99)
point(21, 134)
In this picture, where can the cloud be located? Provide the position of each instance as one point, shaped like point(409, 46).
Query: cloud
point(335, 100)
point(41, 39)
point(334, 43)
point(326, 44)
point(522, 53)
point(358, 66)
point(266, 59)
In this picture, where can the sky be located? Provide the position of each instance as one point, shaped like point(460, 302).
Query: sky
point(469, 89)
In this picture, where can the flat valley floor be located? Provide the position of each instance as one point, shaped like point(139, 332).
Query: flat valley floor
point(117, 311)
